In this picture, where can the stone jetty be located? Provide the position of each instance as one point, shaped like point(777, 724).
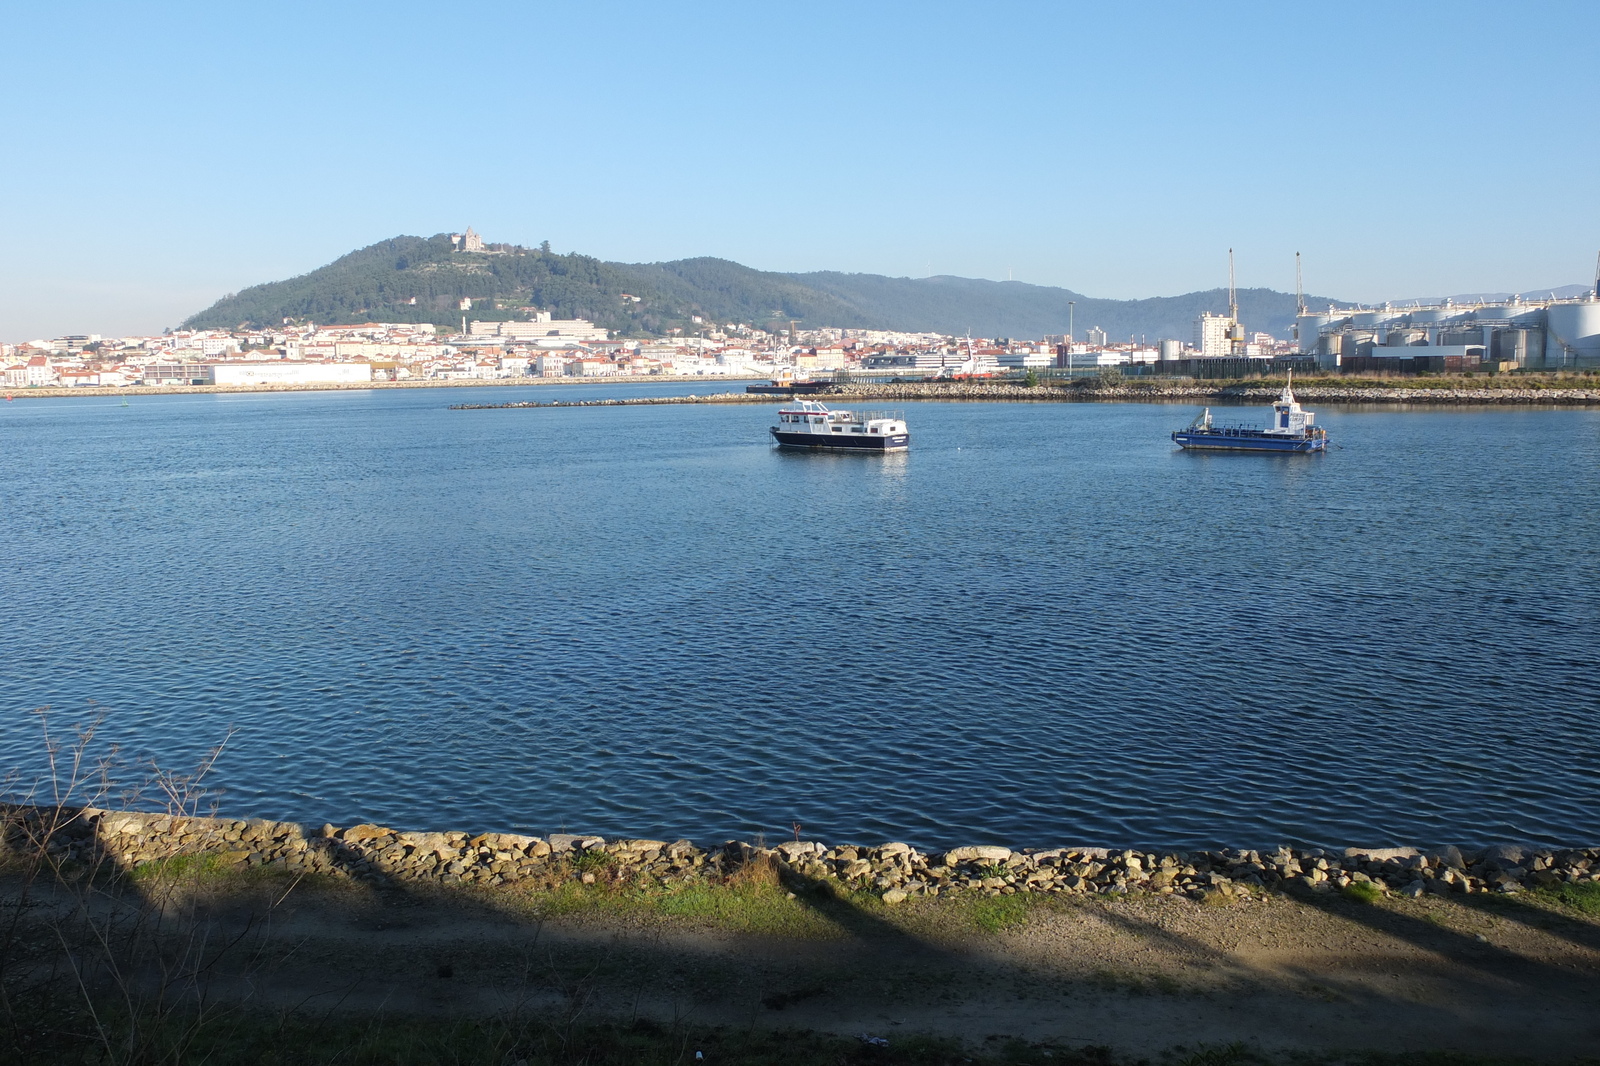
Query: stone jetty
point(1347, 391)
point(1089, 390)
point(89, 838)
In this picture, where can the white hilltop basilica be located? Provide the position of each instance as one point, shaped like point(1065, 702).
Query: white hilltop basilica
point(467, 242)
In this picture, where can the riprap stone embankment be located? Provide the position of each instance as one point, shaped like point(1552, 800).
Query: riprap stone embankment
point(1088, 392)
point(894, 871)
point(1155, 391)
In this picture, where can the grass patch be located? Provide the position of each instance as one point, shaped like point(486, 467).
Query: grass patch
point(202, 867)
point(592, 862)
point(1361, 892)
point(741, 906)
point(1583, 898)
point(995, 914)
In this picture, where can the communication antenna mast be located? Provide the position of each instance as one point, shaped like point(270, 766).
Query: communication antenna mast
point(1233, 303)
point(1299, 289)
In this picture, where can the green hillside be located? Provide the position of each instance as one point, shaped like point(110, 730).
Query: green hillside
point(413, 279)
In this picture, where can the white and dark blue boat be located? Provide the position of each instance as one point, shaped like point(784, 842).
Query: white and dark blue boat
point(810, 424)
point(1291, 430)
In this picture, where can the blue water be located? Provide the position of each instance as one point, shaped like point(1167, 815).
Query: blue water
point(1042, 625)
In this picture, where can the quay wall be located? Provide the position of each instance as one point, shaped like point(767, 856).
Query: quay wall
point(90, 838)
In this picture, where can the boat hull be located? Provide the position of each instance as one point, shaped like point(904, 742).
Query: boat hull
point(844, 442)
point(1230, 442)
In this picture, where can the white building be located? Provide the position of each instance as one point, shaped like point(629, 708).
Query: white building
point(290, 372)
point(540, 327)
point(1026, 359)
point(1213, 335)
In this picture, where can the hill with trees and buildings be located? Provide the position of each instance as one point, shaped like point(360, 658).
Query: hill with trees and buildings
point(416, 279)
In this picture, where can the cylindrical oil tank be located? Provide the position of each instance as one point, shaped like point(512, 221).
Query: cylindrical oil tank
point(1427, 315)
point(1461, 335)
point(1406, 337)
point(1498, 312)
point(1574, 334)
point(1369, 319)
point(1306, 329)
point(1357, 342)
point(1170, 349)
point(1514, 346)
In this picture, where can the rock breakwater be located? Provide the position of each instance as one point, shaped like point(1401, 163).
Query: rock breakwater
point(1128, 392)
point(1354, 392)
point(92, 839)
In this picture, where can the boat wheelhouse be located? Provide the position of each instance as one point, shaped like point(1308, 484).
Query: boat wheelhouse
point(811, 424)
point(1291, 430)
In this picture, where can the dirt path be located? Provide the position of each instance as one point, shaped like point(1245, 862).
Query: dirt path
point(1494, 977)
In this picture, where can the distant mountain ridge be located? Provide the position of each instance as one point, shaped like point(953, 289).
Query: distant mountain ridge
point(1560, 292)
point(416, 279)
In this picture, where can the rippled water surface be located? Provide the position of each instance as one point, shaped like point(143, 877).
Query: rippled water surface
point(1043, 625)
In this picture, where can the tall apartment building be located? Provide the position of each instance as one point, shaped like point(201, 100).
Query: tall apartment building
point(1213, 335)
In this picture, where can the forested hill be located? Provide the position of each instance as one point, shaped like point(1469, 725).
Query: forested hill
point(413, 279)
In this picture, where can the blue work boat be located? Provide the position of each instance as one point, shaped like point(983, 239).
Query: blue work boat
point(1291, 430)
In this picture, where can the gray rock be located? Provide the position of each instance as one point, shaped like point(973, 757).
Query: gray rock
point(1381, 854)
point(636, 846)
point(977, 853)
point(1505, 854)
point(560, 842)
point(1449, 855)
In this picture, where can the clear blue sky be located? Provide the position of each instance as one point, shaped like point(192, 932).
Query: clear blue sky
point(160, 155)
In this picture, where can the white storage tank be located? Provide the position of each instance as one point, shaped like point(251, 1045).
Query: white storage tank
point(1515, 346)
point(1498, 312)
point(1357, 342)
point(1573, 334)
point(1306, 330)
point(1461, 334)
point(1370, 319)
point(1169, 349)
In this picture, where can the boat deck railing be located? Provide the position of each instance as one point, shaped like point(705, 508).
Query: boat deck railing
point(872, 416)
point(1251, 431)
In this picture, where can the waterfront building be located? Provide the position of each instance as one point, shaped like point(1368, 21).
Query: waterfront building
point(286, 372)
